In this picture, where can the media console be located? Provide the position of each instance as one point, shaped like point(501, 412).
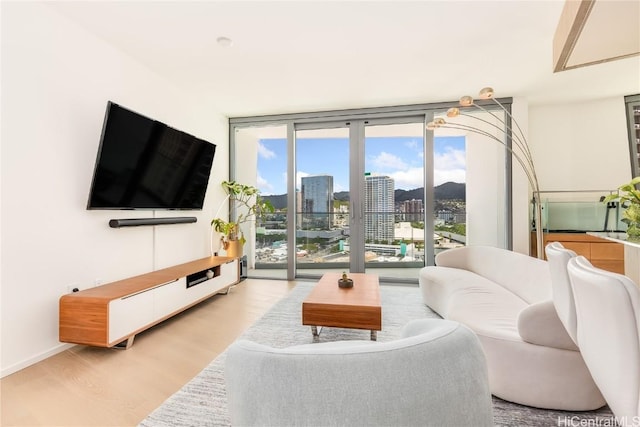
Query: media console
point(112, 314)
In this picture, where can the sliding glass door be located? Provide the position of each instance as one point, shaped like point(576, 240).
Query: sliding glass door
point(348, 216)
point(369, 191)
point(394, 195)
point(260, 156)
point(322, 164)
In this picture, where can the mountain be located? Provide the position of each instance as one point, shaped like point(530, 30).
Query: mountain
point(343, 196)
point(446, 191)
point(451, 191)
point(279, 201)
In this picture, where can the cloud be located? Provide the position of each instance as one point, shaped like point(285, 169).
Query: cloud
point(265, 187)
point(264, 152)
point(450, 175)
point(449, 165)
point(450, 158)
point(414, 145)
point(385, 161)
point(299, 176)
point(337, 187)
point(408, 179)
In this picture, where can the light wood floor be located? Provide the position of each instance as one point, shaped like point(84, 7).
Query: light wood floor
point(86, 386)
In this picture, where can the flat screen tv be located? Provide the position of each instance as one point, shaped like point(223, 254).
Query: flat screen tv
point(145, 164)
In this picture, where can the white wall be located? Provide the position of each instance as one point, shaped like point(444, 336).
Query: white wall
point(575, 147)
point(485, 184)
point(581, 146)
point(521, 188)
point(56, 81)
point(486, 214)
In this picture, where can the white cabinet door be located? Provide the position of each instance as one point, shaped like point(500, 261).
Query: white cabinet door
point(228, 274)
point(129, 314)
point(170, 298)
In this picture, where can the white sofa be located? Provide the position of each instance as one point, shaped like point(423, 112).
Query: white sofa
point(505, 298)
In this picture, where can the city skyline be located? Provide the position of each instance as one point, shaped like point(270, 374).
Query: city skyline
point(400, 158)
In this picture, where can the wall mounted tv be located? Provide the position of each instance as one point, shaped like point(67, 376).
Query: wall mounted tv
point(145, 164)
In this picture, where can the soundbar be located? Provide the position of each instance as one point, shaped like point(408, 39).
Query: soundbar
point(134, 222)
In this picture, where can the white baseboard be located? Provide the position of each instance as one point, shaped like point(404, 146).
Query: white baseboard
point(33, 360)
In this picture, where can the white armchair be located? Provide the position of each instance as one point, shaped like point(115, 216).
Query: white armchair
point(435, 375)
point(608, 324)
point(558, 257)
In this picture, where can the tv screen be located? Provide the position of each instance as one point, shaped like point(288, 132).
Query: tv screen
point(145, 164)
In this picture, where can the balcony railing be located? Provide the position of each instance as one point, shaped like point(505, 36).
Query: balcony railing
point(392, 240)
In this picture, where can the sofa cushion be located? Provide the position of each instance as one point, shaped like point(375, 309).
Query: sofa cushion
point(460, 295)
point(539, 324)
point(527, 277)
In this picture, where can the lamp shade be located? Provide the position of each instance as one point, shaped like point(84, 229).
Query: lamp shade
point(453, 112)
point(466, 101)
point(520, 149)
point(486, 93)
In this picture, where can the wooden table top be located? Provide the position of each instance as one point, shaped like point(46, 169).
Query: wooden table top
point(357, 307)
point(365, 290)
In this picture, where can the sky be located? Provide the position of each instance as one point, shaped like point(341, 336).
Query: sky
point(400, 158)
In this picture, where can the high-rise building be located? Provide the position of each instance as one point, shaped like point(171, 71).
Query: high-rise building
point(317, 202)
point(379, 208)
point(460, 217)
point(445, 215)
point(412, 210)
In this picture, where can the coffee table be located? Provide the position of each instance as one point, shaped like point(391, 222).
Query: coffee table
point(355, 308)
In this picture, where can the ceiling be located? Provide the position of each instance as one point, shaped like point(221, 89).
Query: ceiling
point(594, 31)
point(295, 56)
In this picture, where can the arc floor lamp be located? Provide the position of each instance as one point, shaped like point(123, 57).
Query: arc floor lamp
point(519, 146)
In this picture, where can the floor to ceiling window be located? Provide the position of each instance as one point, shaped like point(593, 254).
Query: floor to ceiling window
point(260, 158)
point(487, 177)
point(394, 165)
point(322, 163)
point(367, 190)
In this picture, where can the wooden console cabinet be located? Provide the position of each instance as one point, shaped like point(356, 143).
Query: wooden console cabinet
point(112, 314)
point(600, 252)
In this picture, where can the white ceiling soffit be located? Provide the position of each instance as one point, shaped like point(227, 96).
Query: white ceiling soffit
point(595, 31)
point(299, 56)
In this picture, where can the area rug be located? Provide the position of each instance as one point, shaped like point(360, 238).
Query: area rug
point(202, 401)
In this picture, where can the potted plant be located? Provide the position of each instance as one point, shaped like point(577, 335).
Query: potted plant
point(629, 197)
point(345, 281)
point(249, 206)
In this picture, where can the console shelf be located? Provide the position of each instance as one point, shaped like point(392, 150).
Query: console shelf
point(600, 252)
point(112, 314)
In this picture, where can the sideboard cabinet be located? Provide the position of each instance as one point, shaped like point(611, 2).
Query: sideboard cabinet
point(600, 252)
point(112, 314)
